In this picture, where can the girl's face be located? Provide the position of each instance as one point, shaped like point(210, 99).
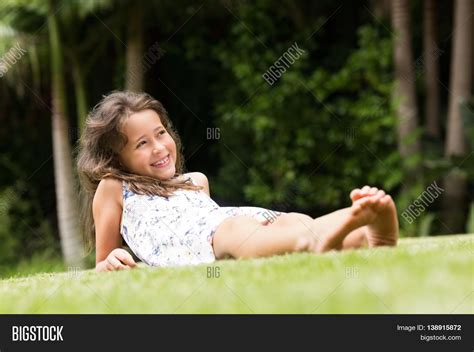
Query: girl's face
point(150, 150)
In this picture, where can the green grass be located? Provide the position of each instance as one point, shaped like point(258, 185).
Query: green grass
point(423, 275)
point(38, 263)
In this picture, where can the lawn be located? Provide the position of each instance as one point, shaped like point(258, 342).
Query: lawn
point(421, 275)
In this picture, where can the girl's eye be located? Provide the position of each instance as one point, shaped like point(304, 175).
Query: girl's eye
point(162, 132)
point(140, 144)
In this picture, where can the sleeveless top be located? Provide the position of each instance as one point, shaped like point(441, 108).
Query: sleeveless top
point(177, 230)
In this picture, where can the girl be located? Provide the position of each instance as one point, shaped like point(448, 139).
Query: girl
point(131, 171)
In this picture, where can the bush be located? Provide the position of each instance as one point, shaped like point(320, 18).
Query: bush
point(307, 140)
point(24, 229)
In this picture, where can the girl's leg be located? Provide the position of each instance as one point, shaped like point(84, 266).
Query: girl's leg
point(245, 237)
point(380, 230)
point(355, 239)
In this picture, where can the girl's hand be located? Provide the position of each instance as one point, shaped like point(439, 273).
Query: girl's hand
point(118, 259)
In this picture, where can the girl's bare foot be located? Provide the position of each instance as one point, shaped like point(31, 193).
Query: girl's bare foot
point(364, 211)
point(383, 229)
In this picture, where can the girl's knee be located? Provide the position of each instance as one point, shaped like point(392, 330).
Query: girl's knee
point(301, 217)
point(305, 244)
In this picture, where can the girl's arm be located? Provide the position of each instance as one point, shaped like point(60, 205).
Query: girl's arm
point(107, 212)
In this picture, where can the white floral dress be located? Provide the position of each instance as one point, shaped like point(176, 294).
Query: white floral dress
point(177, 230)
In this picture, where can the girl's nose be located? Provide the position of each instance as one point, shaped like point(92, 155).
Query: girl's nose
point(158, 148)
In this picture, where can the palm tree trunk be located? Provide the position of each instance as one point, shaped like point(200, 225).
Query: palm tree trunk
point(431, 69)
point(71, 241)
point(135, 42)
point(455, 184)
point(35, 67)
point(80, 91)
point(404, 92)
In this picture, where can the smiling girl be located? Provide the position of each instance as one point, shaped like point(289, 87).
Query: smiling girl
point(131, 171)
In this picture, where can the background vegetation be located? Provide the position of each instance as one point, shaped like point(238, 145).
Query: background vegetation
point(382, 95)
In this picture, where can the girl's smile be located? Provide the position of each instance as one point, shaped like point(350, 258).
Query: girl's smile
point(162, 162)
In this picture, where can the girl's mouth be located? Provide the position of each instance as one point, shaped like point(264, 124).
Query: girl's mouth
point(162, 163)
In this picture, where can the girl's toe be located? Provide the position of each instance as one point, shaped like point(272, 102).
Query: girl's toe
point(386, 199)
point(355, 194)
point(363, 202)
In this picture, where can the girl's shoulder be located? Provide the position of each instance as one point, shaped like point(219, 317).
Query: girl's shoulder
point(199, 179)
point(110, 184)
point(109, 188)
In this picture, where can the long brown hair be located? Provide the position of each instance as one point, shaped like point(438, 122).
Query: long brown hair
point(100, 146)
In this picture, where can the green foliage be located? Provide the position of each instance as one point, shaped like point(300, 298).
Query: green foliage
point(24, 230)
point(10, 245)
point(325, 127)
point(43, 261)
point(316, 133)
point(426, 224)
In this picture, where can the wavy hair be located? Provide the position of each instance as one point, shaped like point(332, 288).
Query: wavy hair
point(100, 146)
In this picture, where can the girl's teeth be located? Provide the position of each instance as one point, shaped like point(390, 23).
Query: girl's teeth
point(162, 162)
